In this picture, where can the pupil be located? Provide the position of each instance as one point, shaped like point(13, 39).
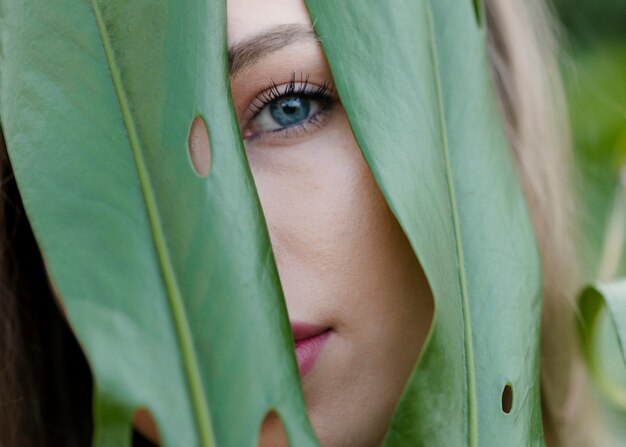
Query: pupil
point(290, 111)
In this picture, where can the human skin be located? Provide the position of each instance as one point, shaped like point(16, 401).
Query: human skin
point(343, 260)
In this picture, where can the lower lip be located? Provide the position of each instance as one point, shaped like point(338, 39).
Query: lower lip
point(308, 350)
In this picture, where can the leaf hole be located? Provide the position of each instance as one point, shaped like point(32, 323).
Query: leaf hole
point(507, 398)
point(145, 425)
point(199, 147)
point(272, 432)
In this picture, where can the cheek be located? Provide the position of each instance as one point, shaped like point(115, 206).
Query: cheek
point(344, 262)
point(336, 242)
point(321, 204)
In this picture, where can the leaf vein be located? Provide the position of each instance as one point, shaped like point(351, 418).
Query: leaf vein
point(179, 315)
point(467, 325)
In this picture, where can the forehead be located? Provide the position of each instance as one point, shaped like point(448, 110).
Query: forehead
point(247, 17)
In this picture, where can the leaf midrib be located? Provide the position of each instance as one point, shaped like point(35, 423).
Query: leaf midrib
point(467, 324)
point(179, 315)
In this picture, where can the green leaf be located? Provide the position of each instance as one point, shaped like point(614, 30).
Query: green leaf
point(413, 77)
point(168, 278)
point(611, 297)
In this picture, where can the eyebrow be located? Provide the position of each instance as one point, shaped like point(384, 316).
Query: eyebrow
point(249, 51)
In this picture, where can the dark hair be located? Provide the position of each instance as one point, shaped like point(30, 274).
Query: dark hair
point(45, 383)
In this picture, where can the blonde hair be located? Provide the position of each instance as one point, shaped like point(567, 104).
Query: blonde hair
point(524, 56)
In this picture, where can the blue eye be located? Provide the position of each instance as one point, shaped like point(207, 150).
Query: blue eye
point(290, 110)
point(285, 112)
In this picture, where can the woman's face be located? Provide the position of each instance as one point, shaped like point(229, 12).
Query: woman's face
point(344, 263)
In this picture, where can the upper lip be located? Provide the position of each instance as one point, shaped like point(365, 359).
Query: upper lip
point(302, 330)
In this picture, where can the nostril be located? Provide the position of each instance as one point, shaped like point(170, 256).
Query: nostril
point(199, 146)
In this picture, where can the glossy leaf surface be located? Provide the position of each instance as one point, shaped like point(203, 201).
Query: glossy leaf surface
point(413, 77)
point(167, 278)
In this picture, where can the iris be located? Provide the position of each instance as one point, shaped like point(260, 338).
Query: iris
point(290, 111)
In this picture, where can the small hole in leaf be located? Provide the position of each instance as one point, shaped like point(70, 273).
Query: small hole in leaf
point(199, 146)
point(507, 398)
point(272, 433)
point(145, 425)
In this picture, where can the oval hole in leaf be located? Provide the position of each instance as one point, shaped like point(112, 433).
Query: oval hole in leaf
point(144, 423)
point(199, 147)
point(272, 432)
point(507, 398)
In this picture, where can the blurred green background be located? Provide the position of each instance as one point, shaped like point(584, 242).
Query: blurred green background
point(594, 71)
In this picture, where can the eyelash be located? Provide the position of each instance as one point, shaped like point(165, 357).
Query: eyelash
point(323, 93)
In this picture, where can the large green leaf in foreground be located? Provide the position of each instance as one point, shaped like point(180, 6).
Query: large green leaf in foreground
point(413, 77)
point(168, 278)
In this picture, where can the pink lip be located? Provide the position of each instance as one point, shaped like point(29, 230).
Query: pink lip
point(310, 340)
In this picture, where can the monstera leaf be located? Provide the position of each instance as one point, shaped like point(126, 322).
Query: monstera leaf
point(168, 278)
point(413, 77)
